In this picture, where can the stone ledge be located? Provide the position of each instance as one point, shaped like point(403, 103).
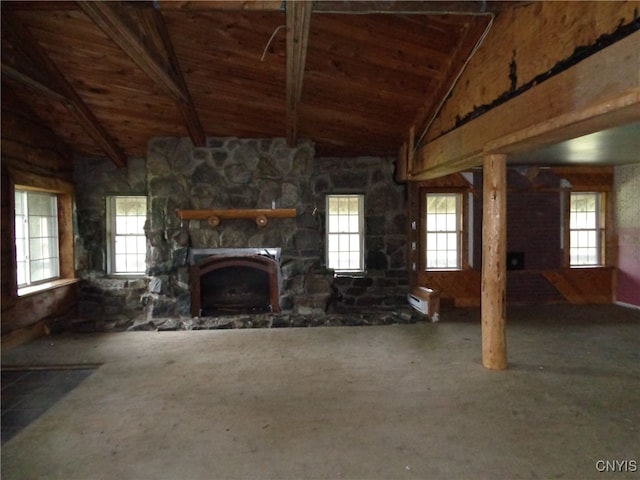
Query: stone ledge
point(283, 320)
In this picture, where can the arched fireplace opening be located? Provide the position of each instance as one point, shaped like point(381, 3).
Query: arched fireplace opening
point(232, 281)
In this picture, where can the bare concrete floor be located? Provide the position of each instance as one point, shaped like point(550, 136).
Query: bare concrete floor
point(389, 402)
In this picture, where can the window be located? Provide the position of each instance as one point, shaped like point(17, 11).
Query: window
point(443, 217)
point(586, 229)
point(125, 228)
point(345, 233)
point(36, 233)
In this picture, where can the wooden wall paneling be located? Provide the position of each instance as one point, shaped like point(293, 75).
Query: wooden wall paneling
point(31, 309)
point(583, 285)
point(58, 84)
point(8, 251)
point(159, 64)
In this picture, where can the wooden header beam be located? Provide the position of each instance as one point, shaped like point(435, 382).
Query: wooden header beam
point(54, 84)
point(348, 7)
point(599, 92)
point(298, 20)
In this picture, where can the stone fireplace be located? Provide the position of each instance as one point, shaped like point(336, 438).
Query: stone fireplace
point(201, 267)
point(245, 174)
point(232, 174)
point(234, 280)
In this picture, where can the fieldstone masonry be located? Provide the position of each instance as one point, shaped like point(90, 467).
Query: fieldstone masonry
point(253, 173)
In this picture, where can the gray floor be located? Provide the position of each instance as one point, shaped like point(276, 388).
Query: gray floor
point(399, 401)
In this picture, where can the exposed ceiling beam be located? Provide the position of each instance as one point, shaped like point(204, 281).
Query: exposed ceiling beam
point(160, 66)
point(346, 7)
point(9, 71)
point(53, 83)
point(544, 114)
point(475, 30)
point(264, 5)
point(298, 20)
point(406, 6)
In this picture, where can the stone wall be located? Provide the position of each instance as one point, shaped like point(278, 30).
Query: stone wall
point(385, 283)
point(104, 302)
point(229, 173)
point(241, 173)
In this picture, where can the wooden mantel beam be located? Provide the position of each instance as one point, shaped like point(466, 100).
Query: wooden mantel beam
point(298, 20)
point(160, 66)
point(54, 84)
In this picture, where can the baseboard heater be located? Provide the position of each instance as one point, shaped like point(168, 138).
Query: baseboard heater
point(426, 301)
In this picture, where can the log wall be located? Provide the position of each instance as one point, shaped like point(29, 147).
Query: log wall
point(32, 150)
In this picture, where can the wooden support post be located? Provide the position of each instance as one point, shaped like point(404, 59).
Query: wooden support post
point(494, 256)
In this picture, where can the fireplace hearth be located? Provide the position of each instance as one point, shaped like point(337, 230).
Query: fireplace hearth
point(234, 280)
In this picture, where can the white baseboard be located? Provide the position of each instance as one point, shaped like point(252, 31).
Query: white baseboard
point(628, 305)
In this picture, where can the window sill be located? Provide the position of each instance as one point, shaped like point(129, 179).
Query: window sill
point(126, 276)
point(34, 289)
point(350, 274)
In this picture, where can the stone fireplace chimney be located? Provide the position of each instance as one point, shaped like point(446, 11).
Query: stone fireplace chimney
point(229, 173)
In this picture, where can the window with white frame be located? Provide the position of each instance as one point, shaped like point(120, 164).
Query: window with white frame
point(36, 237)
point(443, 220)
point(345, 232)
point(126, 216)
point(586, 229)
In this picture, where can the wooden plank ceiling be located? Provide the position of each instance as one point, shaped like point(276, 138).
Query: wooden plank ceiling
point(354, 77)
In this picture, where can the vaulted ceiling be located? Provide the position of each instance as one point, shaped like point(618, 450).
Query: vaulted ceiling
point(353, 77)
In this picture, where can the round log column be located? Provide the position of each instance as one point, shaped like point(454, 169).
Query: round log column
point(494, 258)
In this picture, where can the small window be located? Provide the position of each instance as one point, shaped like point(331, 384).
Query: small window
point(586, 229)
point(345, 233)
point(36, 234)
point(443, 220)
point(125, 229)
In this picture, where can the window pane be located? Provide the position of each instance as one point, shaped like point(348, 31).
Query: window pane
point(344, 235)
point(128, 243)
point(19, 201)
point(584, 225)
point(442, 231)
point(36, 235)
point(40, 204)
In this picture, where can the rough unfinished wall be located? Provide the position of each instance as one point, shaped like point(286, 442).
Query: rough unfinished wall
point(527, 44)
point(627, 219)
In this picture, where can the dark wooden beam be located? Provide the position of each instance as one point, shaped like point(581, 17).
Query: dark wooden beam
point(53, 83)
point(408, 7)
point(155, 21)
point(160, 66)
point(346, 7)
point(11, 72)
point(298, 20)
